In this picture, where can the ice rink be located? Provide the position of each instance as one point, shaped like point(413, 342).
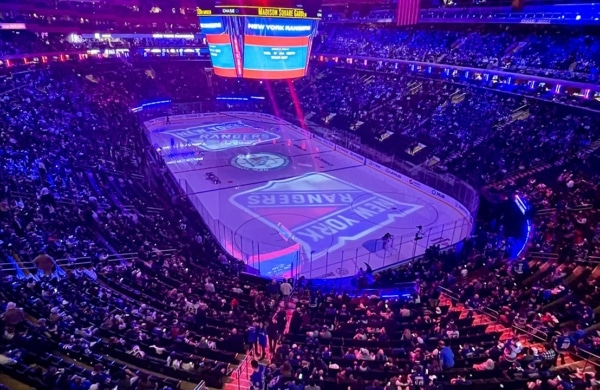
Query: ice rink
point(288, 203)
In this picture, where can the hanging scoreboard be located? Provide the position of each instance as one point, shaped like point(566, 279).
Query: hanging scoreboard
point(260, 42)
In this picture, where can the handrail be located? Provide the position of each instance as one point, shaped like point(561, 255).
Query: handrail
point(581, 207)
point(292, 292)
point(117, 254)
point(495, 315)
point(451, 294)
point(485, 310)
point(547, 255)
point(111, 258)
point(535, 333)
point(545, 211)
point(589, 260)
point(497, 71)
point(63, 264)
point(243, 367)
point(201, 386)
point(588, 359)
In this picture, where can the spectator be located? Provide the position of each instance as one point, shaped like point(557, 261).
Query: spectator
point(286, 290)
point(44, 263)
point(273, 289)
point(13, 316)
point(446, 356)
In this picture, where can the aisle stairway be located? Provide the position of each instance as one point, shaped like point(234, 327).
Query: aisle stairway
point(240, 378)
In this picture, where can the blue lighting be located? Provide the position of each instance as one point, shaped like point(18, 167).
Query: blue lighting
point(526, 238)
point(523, 207)
point(521, 204)
point(149, 104)
point(239, 98)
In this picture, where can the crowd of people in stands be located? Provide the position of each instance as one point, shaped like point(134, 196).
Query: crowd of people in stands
point(548, 299)
point(72, 165)
point(111, 280)
point(22, 42)
point(450, 127)
point(574, 53)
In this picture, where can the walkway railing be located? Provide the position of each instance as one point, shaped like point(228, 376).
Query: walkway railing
point(509, 74)
point(87, 260)
point(587, 357)
point(201, 386)
point(242, 371)
point(494, 315)
point(591, 358)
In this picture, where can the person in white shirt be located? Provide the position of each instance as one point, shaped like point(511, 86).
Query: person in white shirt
point(511, 349)
point(237, 290)
point(209, 286)
point(286, 290)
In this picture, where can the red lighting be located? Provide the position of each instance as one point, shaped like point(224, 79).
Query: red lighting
point(296, 102)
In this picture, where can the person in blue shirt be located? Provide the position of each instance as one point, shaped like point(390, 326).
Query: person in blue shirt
point(296, 384)
point(563, 343)
point(350, 355)
point(252, 337)
point(446, 356)
point(78, 383)
point(98, 375)
point(579, 333)
point(418, 379)
point(257, 376)
point(262, 340)
point(467, 351)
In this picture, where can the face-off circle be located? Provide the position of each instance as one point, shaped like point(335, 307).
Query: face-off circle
point(260, 162)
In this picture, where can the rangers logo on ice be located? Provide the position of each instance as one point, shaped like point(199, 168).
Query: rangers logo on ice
point(329, 211)
point(222, 136)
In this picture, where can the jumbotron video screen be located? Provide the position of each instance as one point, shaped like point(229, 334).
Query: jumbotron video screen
point(259, 39)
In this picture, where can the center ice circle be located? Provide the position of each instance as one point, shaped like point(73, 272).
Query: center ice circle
point(260, 162)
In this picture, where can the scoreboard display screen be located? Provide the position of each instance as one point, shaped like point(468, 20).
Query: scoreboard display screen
point(258, 41)
point(219, 46)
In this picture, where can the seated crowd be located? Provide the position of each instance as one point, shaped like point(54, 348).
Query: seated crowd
point(542, 308)
point(74, 192)
point(574, 53)
point(23, 42)
point(123, 286)
point(455, 127)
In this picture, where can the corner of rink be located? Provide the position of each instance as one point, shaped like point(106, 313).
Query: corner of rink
point(292, 203)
